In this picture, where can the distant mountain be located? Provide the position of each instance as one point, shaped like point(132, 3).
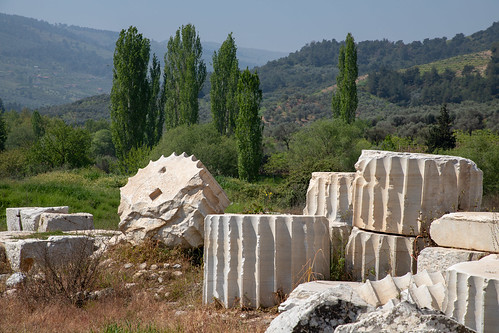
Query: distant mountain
point(44, 64)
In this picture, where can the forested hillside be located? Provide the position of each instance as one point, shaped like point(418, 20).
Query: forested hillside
point(43, 64)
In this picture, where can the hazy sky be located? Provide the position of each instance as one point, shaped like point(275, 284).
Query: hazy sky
point(279, 25)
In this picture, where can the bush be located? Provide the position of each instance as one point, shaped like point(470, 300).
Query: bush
point(218, 153)
point(13, 163)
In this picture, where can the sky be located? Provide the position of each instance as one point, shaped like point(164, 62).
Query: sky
point(276, 25)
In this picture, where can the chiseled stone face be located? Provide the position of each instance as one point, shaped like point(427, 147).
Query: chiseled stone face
point(473, 293)
point(249, 260)
point(330, 194)
point(401, 193)
point(434, 259)
point(28, 218)
point(477, 231)
point(65, 222)
point(168, 200)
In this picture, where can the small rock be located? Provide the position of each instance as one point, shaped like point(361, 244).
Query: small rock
point(167, 294)
point(177, 273)
point(177, 266)
point(154, 276)
point(160, 279)
point(143, 266)
point(180, 313)
point(130, 285)
point(10, 292)
point(107, 263)
point(139, 274)
point(166, 265)
point(15, 279)
point(153, 267)
point(128, 265)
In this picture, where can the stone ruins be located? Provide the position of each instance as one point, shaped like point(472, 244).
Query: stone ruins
point(168, 200)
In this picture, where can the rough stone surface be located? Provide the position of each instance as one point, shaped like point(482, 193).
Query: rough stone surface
point(301, 294)
point(424, 289)
point(27, 218)
point(15, 279)
point(434, 259)
point(330, 194)
point(373, 256)
point(473, 293)
point(401, 193)
point(250, 260)
point(322, 313)
point(467, 230)
point(65, 222)
point(403, 317)
point(168, 200)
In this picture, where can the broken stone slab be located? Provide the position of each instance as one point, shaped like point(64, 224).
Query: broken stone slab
point(401, 193)
point(434, 259)
point(304, 291)
point(253, 260)
point(168, 201)
point(22, 254)
point(330, 194)
point(473, 293)
point(27, 218)
point(402, 318)
point(477, 231)
point(322, 312)
point(424, 289)
point(371, 255)
point(65, 222)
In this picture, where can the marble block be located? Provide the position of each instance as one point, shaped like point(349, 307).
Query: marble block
point(433, 259)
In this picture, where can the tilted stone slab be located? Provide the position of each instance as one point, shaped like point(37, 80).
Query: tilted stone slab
point(27, 218)
point(168, 200)
point(473, 293)
point(330, 194)
point(373, 256)
point(401, 193)
point(65, 222)
point(434, 259)
point(250, 259)
point(477, 231)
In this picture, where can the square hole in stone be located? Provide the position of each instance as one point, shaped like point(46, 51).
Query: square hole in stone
point(162, 170)
point(156, 193)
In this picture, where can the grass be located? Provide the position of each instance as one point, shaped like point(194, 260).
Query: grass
point(172, 305)
point(84, 190)
point(478, 60)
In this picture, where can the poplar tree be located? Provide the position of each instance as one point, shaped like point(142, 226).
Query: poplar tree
point(156, 115)
point(184, 75)
point(3, 127)
point(344, 103)
point(249, 126)
point(223, 92)
point(441, 134)
point(130, 92)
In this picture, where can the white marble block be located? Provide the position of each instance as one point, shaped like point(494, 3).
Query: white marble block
point(473, 293)
point(401, 193)
point(27, 218)
point(434, 259)
point(65, 222)
point(168, 200)
point(371, 255)
point(330, 194)
point(467, 230)
point(250, 259)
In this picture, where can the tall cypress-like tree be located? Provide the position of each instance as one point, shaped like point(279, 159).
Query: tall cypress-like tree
point(344, 103)
point(249, 126)
point(37, 124)
point(156, 114)
point(184, 76)
point(493, 70)
point(3, 127)
point(223, 92)
point(130, 94)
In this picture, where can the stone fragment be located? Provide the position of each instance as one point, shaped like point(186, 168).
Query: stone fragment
point(168, 200)
point(434, 259)
point(401, 193)
point(15, 279)
point(22, 254)
point(402, 318)
point(473, 293)
point(477, 231)
point(424, 289)
point(330, 194)
point(249, 260)
point(27, 218)
point(373, 256)
point(322, 313)
point(301, 294)
point(65, 222)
